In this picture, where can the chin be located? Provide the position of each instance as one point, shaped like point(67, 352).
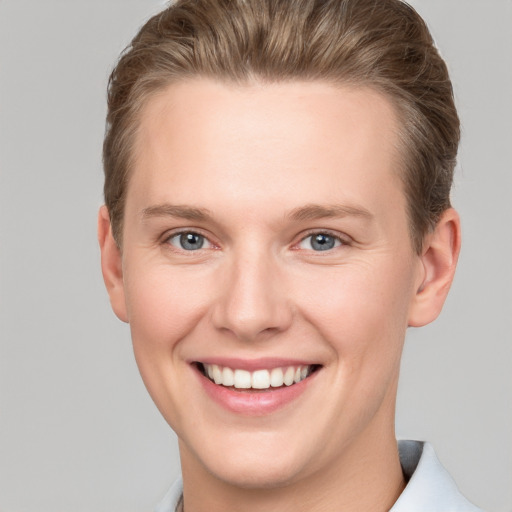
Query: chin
point(264, 475)
point(253, 463)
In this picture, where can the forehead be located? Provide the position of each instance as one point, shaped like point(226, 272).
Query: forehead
point(265, 143)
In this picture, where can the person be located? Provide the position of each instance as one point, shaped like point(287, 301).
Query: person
point(277, 214)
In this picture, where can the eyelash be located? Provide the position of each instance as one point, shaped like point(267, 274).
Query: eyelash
point(168, 237)
point(340, 241)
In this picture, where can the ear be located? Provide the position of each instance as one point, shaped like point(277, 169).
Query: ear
point(111, 265)
point(437, 268)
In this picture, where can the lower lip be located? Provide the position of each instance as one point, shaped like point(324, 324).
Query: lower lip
point(254, 403)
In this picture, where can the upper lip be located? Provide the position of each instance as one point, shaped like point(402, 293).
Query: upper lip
point(263, 363)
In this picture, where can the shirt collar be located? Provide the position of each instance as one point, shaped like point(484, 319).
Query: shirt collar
point(429, 487)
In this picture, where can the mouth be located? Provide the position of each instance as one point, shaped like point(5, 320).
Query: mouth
point(263, 379)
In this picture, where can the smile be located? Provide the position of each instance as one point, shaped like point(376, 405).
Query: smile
point(255, 388)
point(259, 379)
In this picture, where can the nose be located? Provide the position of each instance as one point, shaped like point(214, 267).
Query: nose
point(252, 301)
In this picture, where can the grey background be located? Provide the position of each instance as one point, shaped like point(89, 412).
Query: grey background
point(77, 429)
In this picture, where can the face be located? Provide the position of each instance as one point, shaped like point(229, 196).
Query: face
point(268, 275)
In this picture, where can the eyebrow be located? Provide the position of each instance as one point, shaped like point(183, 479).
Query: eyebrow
point(303, 213)
point(178, 211)
point(317, 211)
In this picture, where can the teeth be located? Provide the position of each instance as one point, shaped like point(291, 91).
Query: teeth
point(276, 378)
point(242, 379)
point(259, 379)
point(228, 377)
point(216, 374)
point(289, 375)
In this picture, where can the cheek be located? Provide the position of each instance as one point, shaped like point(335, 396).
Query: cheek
point(361, 310)
point(164, 304)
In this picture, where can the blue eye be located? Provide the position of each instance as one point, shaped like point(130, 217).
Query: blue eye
point(320, 242)
point(189, 241)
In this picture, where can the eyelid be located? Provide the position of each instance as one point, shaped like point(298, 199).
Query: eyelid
point(343, 238)
point(164, 239)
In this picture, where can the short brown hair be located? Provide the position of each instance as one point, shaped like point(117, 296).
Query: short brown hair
point(383, 44)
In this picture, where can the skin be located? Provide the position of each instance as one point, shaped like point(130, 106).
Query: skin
point(252, 157)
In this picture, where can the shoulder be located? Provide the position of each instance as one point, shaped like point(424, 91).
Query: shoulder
point(430, 488)
point(170, 501)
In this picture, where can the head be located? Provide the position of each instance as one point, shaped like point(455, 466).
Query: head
point(277, 202)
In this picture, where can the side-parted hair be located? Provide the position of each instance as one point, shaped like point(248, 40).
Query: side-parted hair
point(381, 44)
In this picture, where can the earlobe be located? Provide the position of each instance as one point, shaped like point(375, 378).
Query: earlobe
point(438, 262)
point(111, 265)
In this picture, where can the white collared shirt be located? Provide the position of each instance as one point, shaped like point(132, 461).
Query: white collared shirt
point(429, 486)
